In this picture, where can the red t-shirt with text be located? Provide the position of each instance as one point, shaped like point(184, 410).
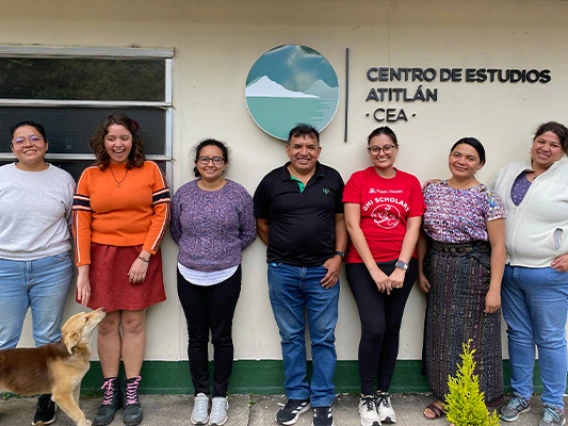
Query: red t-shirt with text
point(386, 205)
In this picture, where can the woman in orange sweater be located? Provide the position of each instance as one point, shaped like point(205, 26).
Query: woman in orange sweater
point(120, 213)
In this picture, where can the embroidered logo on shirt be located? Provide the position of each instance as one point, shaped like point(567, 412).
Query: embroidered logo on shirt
point(325, 191)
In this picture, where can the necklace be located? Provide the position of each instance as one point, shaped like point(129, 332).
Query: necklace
point(118, 182)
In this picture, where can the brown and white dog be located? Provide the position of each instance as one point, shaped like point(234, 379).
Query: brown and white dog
point(55, 369)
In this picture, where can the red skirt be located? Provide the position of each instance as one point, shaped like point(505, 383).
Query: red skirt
point(110, 288)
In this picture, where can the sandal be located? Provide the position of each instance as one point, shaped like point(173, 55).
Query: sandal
point(438, 411)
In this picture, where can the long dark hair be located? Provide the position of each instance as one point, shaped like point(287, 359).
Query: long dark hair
point(136, 156)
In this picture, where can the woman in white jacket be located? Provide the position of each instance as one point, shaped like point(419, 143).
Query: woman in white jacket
point(535, 282)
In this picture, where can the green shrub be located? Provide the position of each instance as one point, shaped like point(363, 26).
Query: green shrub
point(465, 405)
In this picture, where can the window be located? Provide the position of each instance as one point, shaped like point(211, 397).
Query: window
point(70, 90)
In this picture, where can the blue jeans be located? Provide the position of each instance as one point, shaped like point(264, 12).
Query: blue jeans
point(535, 307)
point(43, 285)
point(294, 291)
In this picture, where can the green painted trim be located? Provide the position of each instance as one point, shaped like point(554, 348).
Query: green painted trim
point(266, 377)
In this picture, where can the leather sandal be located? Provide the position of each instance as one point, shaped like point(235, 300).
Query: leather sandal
point(438, 411)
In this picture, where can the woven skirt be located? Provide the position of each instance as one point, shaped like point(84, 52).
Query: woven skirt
point(110, 288)
point(459, 276)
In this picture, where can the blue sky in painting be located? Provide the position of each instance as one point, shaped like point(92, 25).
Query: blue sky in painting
point(293, 66)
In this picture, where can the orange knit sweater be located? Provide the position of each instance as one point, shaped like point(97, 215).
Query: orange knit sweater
point(128, 209)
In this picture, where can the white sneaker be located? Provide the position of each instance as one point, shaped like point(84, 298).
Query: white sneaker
point(384, 407)
point(219, 407)
point(368, 411)
point(200, 413)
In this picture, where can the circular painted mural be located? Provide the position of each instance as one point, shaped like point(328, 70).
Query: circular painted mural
point(288, 85)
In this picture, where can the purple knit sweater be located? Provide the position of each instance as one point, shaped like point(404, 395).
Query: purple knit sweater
point(212, 228)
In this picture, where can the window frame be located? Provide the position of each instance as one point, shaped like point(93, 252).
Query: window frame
point(64, 52)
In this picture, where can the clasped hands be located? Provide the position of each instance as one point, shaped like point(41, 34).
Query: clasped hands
point(388, 283)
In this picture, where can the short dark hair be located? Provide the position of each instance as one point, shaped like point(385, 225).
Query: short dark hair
point(30, 123)
point(304, 130)
point(210, 142)
point(136, 156)
point(385, 130)
point(558, 129)
point(475, 144)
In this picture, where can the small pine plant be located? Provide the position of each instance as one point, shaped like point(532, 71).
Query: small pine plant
point(465, 405)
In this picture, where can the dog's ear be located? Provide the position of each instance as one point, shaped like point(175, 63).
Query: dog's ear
point(71, 339)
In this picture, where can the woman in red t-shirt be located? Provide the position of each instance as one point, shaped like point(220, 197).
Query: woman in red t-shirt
point(383, 213)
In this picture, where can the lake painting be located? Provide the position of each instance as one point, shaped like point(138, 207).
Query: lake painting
point(289, 85)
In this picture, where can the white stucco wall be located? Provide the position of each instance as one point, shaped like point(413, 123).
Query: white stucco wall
point(216, 43)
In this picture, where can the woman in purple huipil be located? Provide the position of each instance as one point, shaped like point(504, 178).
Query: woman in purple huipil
point(212, 222)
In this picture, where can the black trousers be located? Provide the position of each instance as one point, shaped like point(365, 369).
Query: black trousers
point(381, 316)
point(210, 308)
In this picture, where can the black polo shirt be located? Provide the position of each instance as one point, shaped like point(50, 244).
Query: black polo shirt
point(302, 224)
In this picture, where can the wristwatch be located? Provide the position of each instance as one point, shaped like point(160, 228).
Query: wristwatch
point(341, 254)
point(401, 264)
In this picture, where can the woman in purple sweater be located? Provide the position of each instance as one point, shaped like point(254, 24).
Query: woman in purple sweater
point(212, 222)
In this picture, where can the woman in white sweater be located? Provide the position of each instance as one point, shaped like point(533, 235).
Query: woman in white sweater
point(535, 282)
point(36, 267)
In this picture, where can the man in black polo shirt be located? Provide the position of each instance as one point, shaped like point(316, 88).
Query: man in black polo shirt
point(300, 218)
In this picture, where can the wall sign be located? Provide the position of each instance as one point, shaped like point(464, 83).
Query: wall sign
point(291, 84)
point(424, 93)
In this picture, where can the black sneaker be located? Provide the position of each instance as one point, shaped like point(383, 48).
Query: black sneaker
point(45, 410)
point(322, 416)
point(288, 415)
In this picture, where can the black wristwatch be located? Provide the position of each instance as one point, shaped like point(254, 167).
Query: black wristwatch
point(341, 254)
point(401, 264)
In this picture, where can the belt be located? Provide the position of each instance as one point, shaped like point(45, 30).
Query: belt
point(460, 248)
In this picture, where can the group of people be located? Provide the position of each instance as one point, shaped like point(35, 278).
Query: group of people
point(474, 249)
point(487, 249)
point(117, 215)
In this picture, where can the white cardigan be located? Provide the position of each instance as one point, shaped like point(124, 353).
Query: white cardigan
point(536, 231)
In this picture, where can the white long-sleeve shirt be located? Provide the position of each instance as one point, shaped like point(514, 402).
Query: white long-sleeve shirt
point(35, 212)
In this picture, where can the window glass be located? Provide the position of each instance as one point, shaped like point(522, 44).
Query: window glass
point(82, 79)
point(75, 167)
point(69, 129)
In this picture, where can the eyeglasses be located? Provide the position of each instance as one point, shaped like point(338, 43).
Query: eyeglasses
point(34, 140)
point(387, 149)
point(216, 160)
